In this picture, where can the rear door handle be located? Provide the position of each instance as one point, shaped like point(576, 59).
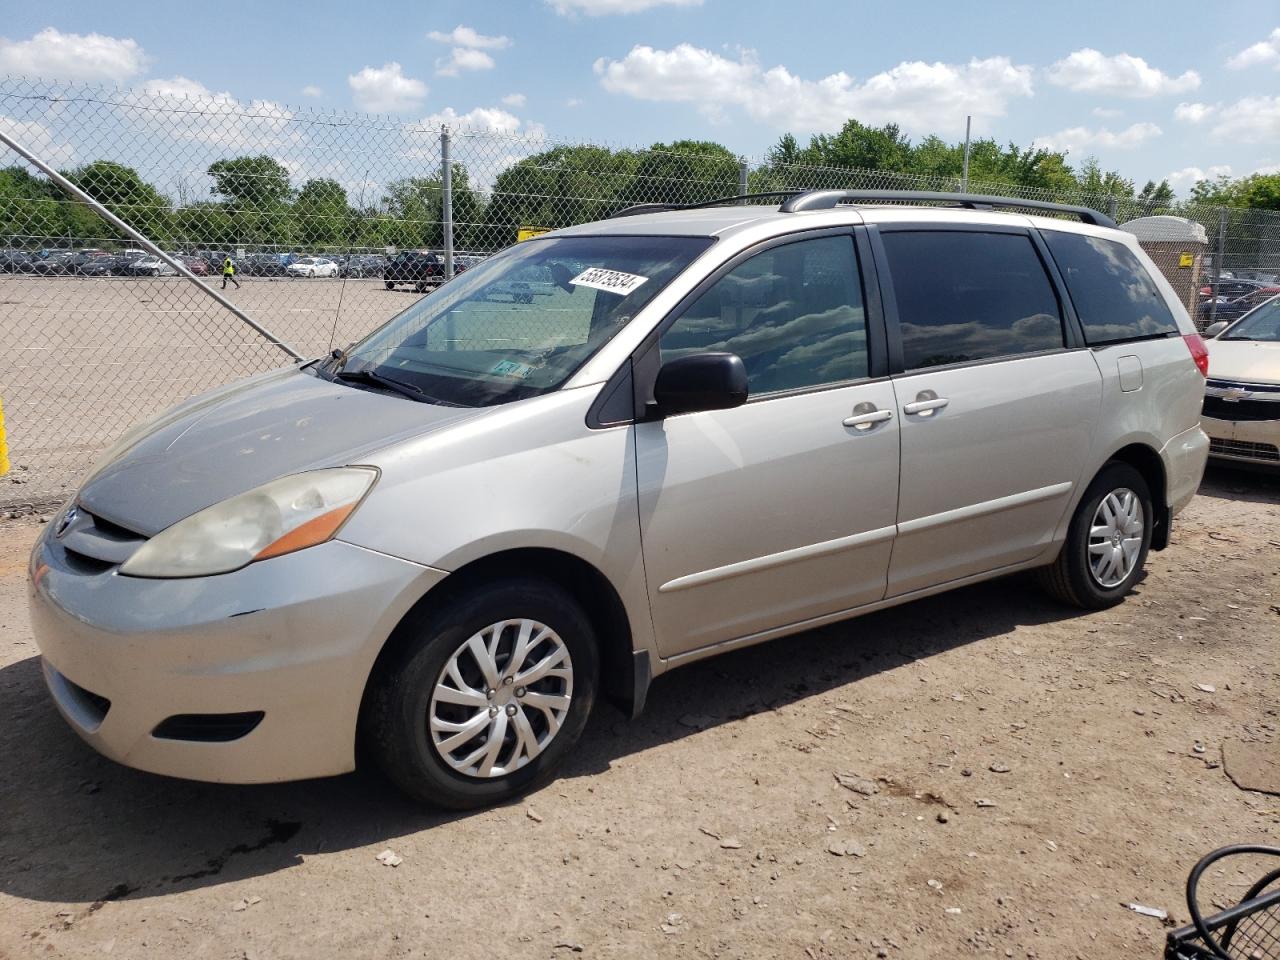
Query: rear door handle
point(868, 419)
point(926, 402)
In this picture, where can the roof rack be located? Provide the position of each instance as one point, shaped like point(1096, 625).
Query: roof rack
point(639, 208)
point(797, 200)
point(826, 199)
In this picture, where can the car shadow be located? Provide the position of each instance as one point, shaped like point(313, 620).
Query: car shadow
point(1240, 483)
point(78, 828)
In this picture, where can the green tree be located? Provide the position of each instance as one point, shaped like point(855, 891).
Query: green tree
point(260, 181)
point(1156, 195)
point(686, 171)
point(321, 215)
point(123, 191)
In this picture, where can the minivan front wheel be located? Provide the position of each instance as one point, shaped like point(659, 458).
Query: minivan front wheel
point(1107, 541)
point(487, 695)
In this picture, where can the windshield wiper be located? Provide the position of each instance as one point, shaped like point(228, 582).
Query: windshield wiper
point(378, 380)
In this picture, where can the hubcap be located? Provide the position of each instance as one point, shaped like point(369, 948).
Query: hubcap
point(1115, 537)
point(501, 698)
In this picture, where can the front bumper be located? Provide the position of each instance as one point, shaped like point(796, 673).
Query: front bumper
point(293, 637)
point(1250, 442)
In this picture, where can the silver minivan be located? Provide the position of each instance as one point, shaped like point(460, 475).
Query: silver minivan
point(607, 452)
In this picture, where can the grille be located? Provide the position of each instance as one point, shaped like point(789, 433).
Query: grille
point(208, 727)
point(98, 544)
point(1242, 448)
point(1221, 409)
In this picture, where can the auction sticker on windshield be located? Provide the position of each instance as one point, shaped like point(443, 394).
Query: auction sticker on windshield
point(611, 281)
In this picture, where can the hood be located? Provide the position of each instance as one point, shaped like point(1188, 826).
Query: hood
point(1247, 361)
point(243, 436)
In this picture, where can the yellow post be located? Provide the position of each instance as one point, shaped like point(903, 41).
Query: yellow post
point(4, 447)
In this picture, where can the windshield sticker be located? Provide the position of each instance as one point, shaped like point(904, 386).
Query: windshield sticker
point(509, 368)
point(611, 281)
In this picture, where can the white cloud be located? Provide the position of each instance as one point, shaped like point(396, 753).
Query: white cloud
point(461, 36)
point(573, 102)
point(599, 8)
point(208, 117)
point(311, 90)
point(484, 120)
point(1248, 120)
point(1264, 51)
point(919, 96)
point(386, 89)
point(1192, 112)
point(1268, 169)
point(72, 56)
point(39, 139)
point(1190, 176)
point(1080, 139)
point(463, 58)
point(1123, 75)
point(1107, 113)
point(514, 100)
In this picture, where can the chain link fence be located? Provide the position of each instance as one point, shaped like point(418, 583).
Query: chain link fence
point(334, 223)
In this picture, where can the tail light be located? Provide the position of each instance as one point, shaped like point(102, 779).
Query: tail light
point(1199, 352)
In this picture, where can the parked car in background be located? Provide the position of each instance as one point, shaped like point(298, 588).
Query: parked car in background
point(312, 267)
point(1242, 395)
point(420, 268)
point(149, 266)
point(707, 428)
point(14, 261)
point(361, 265)
point(55, 263)
point(1229, 288)
point(110, 265)
point(197, 265)
point(124, 261)
point(258, 265)
point(1234, 309)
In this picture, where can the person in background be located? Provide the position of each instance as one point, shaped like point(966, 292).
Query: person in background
point(229, 272)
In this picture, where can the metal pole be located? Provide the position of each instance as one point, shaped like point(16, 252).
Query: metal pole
point(446, 212)
point(146, 244)
point(1218, 257)
point(1113, 206)
point(964, 179)
point(743, 170)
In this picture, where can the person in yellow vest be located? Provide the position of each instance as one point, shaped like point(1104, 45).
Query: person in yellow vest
point(229, 272)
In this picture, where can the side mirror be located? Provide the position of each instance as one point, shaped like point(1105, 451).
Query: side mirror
point(703, 381)
point(1216, 328)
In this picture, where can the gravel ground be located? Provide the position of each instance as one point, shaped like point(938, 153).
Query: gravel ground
point(1020, 771)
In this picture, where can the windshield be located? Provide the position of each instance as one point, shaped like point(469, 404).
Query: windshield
point(520, 323)
point(1262, 324)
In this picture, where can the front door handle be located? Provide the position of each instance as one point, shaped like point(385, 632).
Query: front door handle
point(866, 415)
point(926, 402)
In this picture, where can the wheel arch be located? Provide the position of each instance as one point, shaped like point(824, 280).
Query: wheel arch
point(1146, 460)
point(624, 672)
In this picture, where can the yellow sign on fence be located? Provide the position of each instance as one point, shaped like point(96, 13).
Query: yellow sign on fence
point(4, 449)
point(528, 233)
point(1186, 260)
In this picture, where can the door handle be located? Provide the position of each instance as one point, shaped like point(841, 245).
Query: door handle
point(926, 402)
point(866, 415)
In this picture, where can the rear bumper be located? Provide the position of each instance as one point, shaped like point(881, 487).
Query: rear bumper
point(1249, 442)
point(292, 638)
point(1184, 460)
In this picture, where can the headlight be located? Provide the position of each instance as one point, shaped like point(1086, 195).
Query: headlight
point(278, 517)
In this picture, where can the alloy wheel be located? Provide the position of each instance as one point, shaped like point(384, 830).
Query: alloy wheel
point(1115, 537)
point(501, 698)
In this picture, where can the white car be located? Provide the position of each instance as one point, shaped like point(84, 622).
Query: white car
point(1241, 411)
point(312, 267)
point(151, 266)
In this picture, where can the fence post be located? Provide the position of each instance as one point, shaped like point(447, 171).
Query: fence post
point(743, 171)
point(1113, 206)
point(446, 205)
point(1218, 256)
point(76, 193)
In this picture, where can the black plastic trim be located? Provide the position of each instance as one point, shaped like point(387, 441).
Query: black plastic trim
point(208, 727)
point(614, 405)
point(827, 199)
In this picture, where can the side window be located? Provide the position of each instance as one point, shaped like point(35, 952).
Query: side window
point(794, 314)
point(1110, 289)
point(970, 296)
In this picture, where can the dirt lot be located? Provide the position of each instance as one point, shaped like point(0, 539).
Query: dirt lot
point(86, 358)
point(703, 829)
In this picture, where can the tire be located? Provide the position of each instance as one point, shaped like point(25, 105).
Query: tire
point(401, 710)
point(1074, 577)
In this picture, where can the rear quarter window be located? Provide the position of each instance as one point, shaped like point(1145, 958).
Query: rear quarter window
point(1113, 294)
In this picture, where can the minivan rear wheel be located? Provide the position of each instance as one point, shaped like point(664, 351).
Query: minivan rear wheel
point(486, 695)
point(1107, 542)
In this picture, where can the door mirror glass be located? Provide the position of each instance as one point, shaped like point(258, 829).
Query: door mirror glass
point(1216, 328)
point(702, 381)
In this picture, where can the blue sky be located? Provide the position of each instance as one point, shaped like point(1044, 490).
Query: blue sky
point(1172, 89)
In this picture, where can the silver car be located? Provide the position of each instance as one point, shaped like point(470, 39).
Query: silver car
point(605, 453)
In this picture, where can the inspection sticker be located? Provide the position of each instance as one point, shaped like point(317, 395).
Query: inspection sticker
point(509, 368)
point(612, 281)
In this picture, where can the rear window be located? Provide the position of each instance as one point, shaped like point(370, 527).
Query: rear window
point(1112, 292)
point(970, 296)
